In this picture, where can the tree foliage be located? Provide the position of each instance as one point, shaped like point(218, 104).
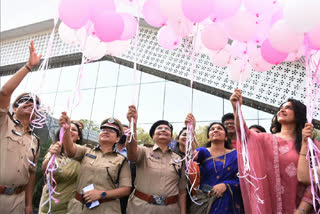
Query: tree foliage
point(201, 134)
point(144, 136)
point(91, 125)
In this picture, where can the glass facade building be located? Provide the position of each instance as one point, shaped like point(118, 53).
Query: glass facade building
point(107, 89)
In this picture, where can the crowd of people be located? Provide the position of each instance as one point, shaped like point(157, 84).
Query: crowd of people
point(120, 175)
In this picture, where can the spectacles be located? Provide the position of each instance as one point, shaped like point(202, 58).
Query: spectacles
point(105, 130)
point(229, 124)
point(159, 128)
point(27, 100)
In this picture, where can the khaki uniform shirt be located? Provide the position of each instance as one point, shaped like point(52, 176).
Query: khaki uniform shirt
point(17, 148)
point(157, 176)
point(93, 170)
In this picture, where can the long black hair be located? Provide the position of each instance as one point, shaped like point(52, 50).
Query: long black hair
point(300, 114)
point(79, 142)
point(227, 143)
point(184, 128)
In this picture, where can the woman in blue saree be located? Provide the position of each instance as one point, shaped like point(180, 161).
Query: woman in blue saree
point(218, 170)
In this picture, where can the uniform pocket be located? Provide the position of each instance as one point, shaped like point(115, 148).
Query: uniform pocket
point(153, 162)
point(14, 141)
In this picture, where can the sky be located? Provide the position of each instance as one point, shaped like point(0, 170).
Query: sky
point(17, 13)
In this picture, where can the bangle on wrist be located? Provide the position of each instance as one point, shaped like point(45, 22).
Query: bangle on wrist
point(303, 154)
point(27, 67)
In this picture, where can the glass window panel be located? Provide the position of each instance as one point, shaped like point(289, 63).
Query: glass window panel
point(51, 80)
point(124, 98)
point(249, 113)
point(103, 104)
point(148, 78)
point(108, 74)
point(83, 110)
point(177, 102)
point(227, 107)
point(35, 80)
point(68, 79)
point(89, 77)
point(5, 79)
point(61, 103)
point(207, 107)
point(265, 115)
point(252, 122)
point(151, 102)
point(265, 124)
point(127, 76)
point(48, 100)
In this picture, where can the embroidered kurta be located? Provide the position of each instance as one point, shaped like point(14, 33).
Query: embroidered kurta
point(275, 160)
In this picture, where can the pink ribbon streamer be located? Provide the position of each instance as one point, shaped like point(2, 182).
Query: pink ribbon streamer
point(248, 172)
point(312, 64)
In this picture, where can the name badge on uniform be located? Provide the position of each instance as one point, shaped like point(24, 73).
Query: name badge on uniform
point(155, 156)
point(16, 133)
point(91, 156)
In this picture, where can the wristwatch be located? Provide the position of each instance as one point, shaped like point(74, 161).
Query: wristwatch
point(103, 195)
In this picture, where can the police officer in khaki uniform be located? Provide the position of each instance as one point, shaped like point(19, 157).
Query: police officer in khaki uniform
point(160, 184)
point(19, 147)
point(101, 166)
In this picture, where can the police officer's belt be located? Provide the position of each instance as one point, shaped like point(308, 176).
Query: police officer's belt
point(81, 199)
point(156, 200)
point(11, 190)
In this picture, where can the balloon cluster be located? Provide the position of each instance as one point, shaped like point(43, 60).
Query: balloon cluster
point(232, 32)
point(96, 26)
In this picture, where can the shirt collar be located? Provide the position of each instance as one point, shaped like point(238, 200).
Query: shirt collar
point(156, 147)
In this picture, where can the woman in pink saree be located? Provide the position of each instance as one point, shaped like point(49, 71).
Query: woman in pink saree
point(274, 159)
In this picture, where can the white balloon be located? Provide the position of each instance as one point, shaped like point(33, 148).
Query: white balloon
point(67, 35)
point(238, 71)
point(118, 48)
point(94, 49)
point(302, 15)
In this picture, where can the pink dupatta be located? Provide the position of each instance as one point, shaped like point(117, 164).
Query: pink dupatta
point(275, 159)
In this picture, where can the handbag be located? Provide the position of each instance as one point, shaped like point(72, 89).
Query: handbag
point(204, 205)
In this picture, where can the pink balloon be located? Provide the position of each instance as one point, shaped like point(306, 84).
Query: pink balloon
point(109, 26)
point(152, 13)
point(74, 13)
point(214, 37)
point(262, 29)
point(260, 6)
point(284, 39)
point(197, 10)
point(314, 36)
point(277, 16)
point(238, 71)
point(130, 26)
point(98, 6)
point(258, 63)
point(181, 26)
point(168, 39)
point(224, 8)
point(171, 9)
point(220, 58)
point(272, 55)
point(242, 26)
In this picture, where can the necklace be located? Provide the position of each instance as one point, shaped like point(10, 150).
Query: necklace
point(214, 163)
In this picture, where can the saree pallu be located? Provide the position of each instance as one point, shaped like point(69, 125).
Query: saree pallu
point(222, 169)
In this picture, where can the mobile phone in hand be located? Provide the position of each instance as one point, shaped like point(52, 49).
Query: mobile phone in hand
point(206, 188)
